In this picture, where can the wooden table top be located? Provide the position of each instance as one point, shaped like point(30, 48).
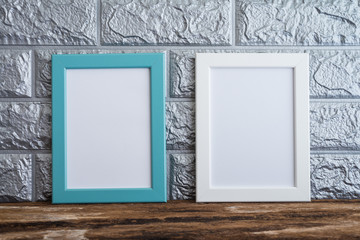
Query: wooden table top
point(182, 220)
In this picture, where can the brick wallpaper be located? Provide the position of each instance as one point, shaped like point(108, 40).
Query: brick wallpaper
point(30, 31)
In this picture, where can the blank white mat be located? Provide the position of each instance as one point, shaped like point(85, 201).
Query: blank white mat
point(251, 128)
point(108, 128)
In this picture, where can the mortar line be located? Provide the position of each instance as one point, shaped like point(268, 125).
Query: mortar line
point(180, 99)
point(335, 100)
point(25, 151)
point(167, 74)
point(98, 22)
point(32, 74)
point(233, 21)
point(36, 100)
point(33, 178)
point(335, 152)
point(168, 173)
point(311, 100)
point(178, 47)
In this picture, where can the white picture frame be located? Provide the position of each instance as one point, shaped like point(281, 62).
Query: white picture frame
point(252, 127)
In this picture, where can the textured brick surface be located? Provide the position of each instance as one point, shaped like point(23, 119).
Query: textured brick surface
point(43, 73)
point(335, 126)
point(15, 74)
point(292, 22)
point(182, 68)
point(335, 74)
point(180, 125)
point(43, 69)
point(15, 177)
point(182, 72)
point(25, 125)
point(43, 65)
point(182, 176)
point(335, 176)
point(166, 22)
point(48, 22)
point(43, 177)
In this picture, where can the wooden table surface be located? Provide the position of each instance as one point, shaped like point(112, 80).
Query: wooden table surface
point(182, 220)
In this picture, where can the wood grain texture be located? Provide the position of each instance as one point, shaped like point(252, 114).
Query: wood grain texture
point(182, 220)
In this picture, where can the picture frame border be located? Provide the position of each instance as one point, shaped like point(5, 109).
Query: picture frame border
point(300, 63)
point(156, 63)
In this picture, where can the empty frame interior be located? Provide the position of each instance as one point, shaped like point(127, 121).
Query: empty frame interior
point(108, 128)
point(251, 127)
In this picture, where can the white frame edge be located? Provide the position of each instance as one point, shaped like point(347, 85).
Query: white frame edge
point(300, 63)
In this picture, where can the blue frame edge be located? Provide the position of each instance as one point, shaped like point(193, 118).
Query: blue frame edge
point(156, 63)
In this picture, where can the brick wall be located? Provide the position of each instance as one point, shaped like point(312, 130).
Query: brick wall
point(30, 31)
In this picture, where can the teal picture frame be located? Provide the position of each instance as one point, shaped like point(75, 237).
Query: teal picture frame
point(156, 63)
